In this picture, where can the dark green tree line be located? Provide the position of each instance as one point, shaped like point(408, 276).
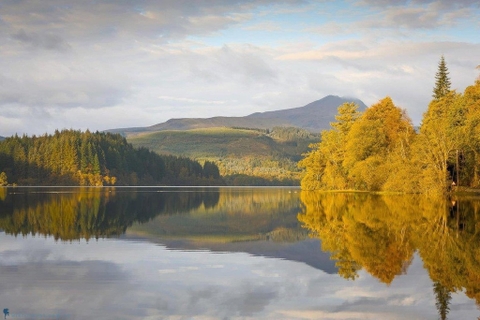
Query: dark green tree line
point(72, 157)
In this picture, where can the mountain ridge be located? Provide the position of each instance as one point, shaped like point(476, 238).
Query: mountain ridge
point(315, 117)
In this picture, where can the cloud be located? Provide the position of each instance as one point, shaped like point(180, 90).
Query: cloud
point(409, 17)
point(423, 14)
point(264, 26)
point(192, 101)
point(35, 40)
point(385, 50)
point(68, 91)
point(104, 64)
point(245, 64)
point(331, 28)
point(162, 19)
point(443, 3)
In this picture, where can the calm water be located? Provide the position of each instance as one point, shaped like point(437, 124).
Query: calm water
point(236, 253)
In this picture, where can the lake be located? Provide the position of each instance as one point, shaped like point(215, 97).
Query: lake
point(236, 253)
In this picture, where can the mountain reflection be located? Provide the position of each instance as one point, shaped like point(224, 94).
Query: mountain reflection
point(239, 215)
point(381, 234)
point(76, 213)
point(220, 215)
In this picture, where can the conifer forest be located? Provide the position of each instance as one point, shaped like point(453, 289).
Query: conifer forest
point(72, 157)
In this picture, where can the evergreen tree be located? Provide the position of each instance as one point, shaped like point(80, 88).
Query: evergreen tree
point(442, 83)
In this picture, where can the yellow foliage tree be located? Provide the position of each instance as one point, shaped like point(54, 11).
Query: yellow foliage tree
point(324, 163)
point(378, 144)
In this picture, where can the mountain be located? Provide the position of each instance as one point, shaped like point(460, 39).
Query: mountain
point(262, 148)
point(270, 154)
point(315, 117)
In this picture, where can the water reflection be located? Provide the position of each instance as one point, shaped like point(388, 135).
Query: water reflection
point(223, 215)
point(254, 220)
point(381, 234)
point(139, 276)
point(239, 215)
point(77, 213)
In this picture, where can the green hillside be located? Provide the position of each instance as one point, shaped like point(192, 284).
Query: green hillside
point(238, 152)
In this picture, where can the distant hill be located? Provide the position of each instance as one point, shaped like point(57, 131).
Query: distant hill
point(259, 149)
point(269, 154)
point(315, 117)
point(2, 138)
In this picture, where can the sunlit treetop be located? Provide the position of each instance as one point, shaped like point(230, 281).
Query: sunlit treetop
point(442, 83)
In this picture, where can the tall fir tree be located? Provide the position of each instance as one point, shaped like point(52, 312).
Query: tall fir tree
point(442, 83)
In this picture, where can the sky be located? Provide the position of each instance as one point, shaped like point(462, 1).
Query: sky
point(104, 64)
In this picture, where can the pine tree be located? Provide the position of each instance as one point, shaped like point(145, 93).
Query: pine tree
point(442, 83)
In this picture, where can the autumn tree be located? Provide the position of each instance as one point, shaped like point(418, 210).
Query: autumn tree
point(323, 165)
point(470, 173)
point(382, 133)
point(441, 134)
point(3, 179)
point(361, 151)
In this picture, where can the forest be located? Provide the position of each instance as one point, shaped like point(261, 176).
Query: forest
point(380, 149)
point(244, 156)
point(72, 157)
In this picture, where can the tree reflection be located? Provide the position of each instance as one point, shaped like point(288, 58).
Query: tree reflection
point(239, 215)
point(442, 299)
point(381, 234)
point(89, 212)
point(225, 214)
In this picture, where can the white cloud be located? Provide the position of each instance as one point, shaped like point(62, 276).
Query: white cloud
point(264, 26)
point(332, 28)
point(192, 101)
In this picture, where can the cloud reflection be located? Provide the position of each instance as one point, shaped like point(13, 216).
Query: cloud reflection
point(119, 279)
